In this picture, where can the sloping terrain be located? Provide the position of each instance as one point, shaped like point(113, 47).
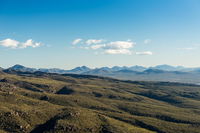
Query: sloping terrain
point(41, 102)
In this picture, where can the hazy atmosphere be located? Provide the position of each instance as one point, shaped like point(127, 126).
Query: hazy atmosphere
point(96, 33)
point(99, 66)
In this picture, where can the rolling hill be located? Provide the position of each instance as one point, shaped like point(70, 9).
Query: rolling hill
point(42, 102)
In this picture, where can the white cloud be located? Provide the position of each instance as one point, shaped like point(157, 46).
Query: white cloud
point(144, 53)
point(16, 44)
point(147, 41)
point(9, 43)
point(113, 47)
point(118, 51)
point(98, 46)
point(187, 48)
point(116, 47)
point(86, 48)
point(30, 43)
point(93, 41)
point(76, 41)
point(120, 45)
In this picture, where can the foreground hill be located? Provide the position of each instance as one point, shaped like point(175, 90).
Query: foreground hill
point(42, 102)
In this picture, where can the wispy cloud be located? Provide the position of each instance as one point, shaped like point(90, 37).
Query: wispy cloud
point(144, 53)
point(111, 47)
point(118, 51)
point(119, 47)
point(98, 46)
point(10, 43)
point(147, 41)
point(187, 48)
point(115, 47)
point(93, 41)
point(76, 41)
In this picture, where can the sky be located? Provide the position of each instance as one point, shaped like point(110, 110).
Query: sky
point(96, 33)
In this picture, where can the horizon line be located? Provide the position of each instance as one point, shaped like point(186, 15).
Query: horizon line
point(99, 67)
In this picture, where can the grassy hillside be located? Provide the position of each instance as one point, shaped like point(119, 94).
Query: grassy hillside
point(42, 102)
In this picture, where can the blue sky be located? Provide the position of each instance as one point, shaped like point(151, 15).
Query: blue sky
point(96, 33)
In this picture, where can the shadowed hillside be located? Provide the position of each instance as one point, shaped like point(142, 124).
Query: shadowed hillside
point(45, 103)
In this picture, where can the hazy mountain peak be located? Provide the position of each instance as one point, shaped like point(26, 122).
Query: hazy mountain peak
point(153, 70)
point(79, 70)
point(17, 66)
point(85, 67)
point(138, 68)
point(166, 67)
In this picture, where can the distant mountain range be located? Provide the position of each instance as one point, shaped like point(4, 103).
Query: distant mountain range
point(85, 69)
point(139, 73)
